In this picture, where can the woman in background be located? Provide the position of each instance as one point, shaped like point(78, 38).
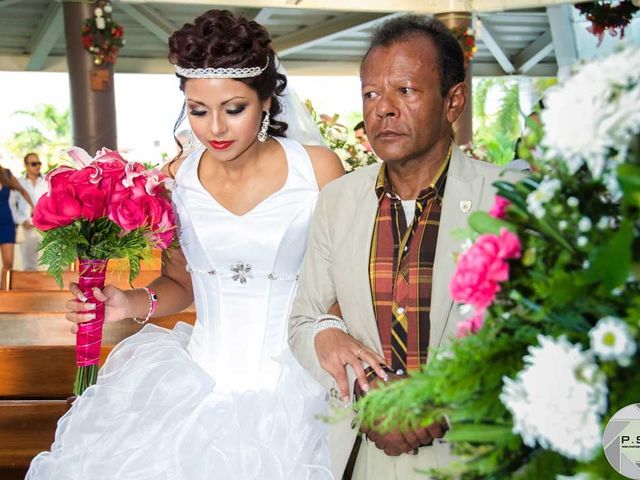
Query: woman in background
point(7, 225)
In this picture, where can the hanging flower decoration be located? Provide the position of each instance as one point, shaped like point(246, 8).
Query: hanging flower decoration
point(467, 40)
point(101, 36)
point(607, 16)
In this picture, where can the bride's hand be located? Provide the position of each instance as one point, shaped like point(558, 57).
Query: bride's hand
point(80, 310)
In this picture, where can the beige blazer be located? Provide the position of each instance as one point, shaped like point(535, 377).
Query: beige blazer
point(336, 268)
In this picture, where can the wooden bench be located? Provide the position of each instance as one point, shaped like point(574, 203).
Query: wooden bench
point(37, 302)
point(37, 371)
point(39, 281)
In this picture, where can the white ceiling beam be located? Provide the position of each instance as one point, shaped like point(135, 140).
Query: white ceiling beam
point(494, 70)
point(534, 53)
point(45, 36)
point(488, 37)
point(263, 15)
point(310, 36)
point(17, 63)
point(157, 24)
point(416, 6)
point(6, 3)
point(563, 35)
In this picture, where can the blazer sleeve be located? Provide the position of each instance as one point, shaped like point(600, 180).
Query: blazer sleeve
point(316, 293)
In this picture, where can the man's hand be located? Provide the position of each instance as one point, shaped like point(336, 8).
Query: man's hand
point(397, 442)
point(336, 350)
point(27, 225)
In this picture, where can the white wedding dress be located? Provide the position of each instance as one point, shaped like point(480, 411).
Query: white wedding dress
point(224, 399)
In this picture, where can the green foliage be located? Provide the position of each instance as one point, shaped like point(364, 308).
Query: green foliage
point(342, 141)
point(48, 132)
point(497, 133)
point(101, 239)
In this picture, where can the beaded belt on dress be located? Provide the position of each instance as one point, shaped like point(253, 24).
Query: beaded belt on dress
point(241, 272)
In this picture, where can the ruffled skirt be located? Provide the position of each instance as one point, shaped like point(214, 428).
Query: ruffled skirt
point(155, 414)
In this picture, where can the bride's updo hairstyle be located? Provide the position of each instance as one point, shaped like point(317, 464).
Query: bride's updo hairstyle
point(220, 39)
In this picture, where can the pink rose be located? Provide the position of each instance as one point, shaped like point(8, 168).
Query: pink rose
point(58, 177)
point(499, 209)
point(94, 202)
point(153, 210)
point(90, 174)
point(57, 208)
point(127, 213)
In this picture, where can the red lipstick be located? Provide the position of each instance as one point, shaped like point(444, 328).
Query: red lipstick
point(220, 145)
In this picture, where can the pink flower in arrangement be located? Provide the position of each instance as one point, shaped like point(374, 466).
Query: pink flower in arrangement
point(59, 177)
point(471, 325)
point(499, 209)
point(480, 270)
point(107, 186)
point(58, 208)
point(94, 202)
point(127, 213)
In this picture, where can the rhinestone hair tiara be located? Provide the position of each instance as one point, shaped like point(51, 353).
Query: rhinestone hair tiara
point(221, 72)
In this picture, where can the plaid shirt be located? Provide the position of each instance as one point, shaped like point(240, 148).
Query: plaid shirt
point(401, 270)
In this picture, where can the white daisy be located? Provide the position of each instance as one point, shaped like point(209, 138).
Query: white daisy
point(611, 340)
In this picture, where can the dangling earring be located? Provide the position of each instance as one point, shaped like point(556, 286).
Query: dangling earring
point(262, 134)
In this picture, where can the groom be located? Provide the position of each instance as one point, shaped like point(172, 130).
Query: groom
point(381, 244)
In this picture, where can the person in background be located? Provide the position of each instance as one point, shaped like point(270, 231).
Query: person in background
point(35, 184)
point(8, 183)
point(361, 136)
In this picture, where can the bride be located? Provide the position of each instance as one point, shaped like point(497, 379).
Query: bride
point(225, 399)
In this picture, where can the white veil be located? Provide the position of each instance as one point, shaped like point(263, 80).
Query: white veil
point(302, 127)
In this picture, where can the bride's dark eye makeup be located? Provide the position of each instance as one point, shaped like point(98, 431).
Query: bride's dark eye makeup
point(198, 113)
point(236, 110)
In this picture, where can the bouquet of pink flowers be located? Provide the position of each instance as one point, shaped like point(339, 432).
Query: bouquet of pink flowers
point(107, 208)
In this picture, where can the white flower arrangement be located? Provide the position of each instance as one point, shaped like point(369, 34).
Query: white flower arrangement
point(558, 398)
point(611, 340)
point(591, 118)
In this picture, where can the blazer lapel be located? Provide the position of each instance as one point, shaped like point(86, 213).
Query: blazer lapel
point(462, 196)
point(362, 231)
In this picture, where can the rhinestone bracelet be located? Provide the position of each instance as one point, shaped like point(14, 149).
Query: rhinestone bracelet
point(153, 305)
point(323, 322)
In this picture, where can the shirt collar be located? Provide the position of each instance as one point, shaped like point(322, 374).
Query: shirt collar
point(383, 185)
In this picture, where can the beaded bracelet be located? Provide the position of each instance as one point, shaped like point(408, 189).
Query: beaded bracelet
point(323, 322)
point(153, 305)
